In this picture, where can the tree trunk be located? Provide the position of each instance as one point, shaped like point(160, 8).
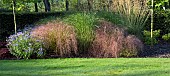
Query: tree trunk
point(15, 24)
point(169, 3)
point(78, 5)
point(110, 5)
point(36, 7)
point(67, 5)
point(14, 3)
point(90, 4)
point(47, 5)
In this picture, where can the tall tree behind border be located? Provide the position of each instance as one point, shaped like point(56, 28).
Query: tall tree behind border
point(90, 4)
point(13, 6)
point(47, 5)
point(67, 5)
point(36, 6)
point(78, 3)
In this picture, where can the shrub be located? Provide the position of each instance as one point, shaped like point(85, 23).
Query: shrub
point(110, 41)
point(147, 36)
point(166, 37)
point(84, 24)
point(22, 45)
point(57, 37)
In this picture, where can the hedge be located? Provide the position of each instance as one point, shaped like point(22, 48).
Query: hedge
point(23, 19)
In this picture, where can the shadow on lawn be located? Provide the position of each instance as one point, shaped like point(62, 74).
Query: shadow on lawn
point(35, 70)
point(151, 73)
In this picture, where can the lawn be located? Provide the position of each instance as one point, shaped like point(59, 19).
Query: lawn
point(86, 67)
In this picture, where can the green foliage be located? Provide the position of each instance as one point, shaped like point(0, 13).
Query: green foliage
point(156, 33)
point(161, 21)
point(84, 24)
point(22, 45)
point(21, 5)
point(166, 37)
point(109, 16)
point(158, 4)
point(147, 36)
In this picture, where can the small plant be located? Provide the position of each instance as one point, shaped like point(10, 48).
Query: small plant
point(22, 45)
point(166, 37)
point(147, 37)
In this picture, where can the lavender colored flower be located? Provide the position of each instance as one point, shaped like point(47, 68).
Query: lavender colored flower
point(22, 45)
point(40, 53)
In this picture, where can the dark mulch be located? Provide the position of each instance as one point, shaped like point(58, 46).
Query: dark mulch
point(161, 50)
point(4, 52)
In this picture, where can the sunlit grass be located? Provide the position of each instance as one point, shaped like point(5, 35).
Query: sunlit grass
point(86, 66)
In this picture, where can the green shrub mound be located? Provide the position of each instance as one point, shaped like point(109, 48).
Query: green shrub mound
point(57, 37)
point(166, 37)
point(113, 41)
point(147, 36)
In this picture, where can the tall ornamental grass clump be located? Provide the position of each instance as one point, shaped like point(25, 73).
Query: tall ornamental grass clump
point(84, 24)
point(22, 45)
point(113, 41)
point(58, 38)
point(133, 14)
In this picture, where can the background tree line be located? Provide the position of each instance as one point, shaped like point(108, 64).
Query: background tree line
point(55, 5)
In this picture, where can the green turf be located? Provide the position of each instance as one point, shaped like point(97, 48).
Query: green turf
point(86, 67)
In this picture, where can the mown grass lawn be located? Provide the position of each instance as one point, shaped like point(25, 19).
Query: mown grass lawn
point(86, 66)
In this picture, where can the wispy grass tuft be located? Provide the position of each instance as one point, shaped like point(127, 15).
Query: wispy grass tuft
point(84, 24)
point(113, 41)
point(133, 14)
point(108, 40)
point(58, 37)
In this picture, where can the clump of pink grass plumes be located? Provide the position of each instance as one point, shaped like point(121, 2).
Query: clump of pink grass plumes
point(57, 37)
point(132, 46)
point(112, 41)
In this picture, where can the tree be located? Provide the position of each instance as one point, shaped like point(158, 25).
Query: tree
point(14, 4)
point(47, 5)
point(67, 5)
point(90, 4)
point(36, 7)
point(78, 4)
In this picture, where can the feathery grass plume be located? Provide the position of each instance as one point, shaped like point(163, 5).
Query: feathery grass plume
point(58, 37)
point(108, 41)
point(133, 14)
point(132, 46)
point(84, 24)
point(113, 41)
